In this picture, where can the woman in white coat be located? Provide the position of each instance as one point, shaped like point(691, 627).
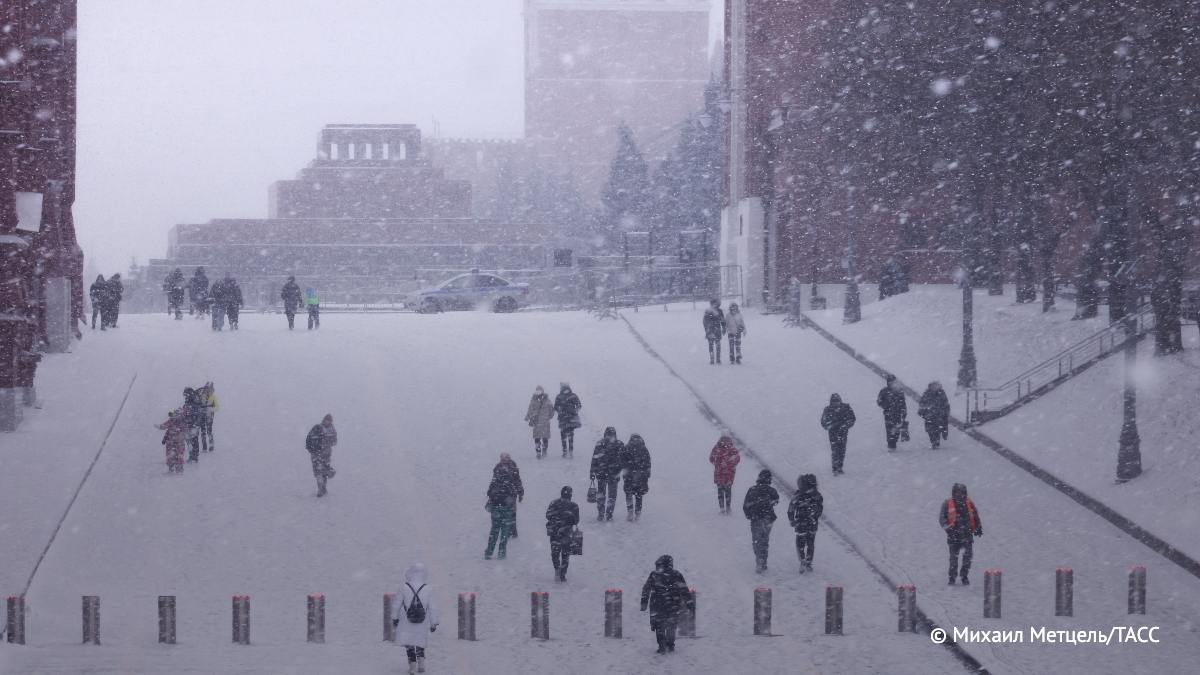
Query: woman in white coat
point(414, 635)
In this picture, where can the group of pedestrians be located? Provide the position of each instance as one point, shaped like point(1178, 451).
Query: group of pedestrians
point(293, 299)
point(804, 513)
point(717, 324)
point(188, 429)
point(613, 460)
point(541, 410)
point(106, 300)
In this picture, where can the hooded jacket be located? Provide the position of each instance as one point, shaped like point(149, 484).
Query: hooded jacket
point(806, 507)
point(291, 295)
point(724, 457)
point(539, 414)
point(635, 463)
point(934, 406)
point(959, 517)
point(892, 401)
point(838, 417)
point(665, 592)
point(408, 633)
point(506, 469)
point(561, 518)
point(567, 405)
point(761, 499)
point(714, 323)
point(606, 458)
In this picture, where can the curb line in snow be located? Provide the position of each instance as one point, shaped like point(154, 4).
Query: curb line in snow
point(79, 489)
point(1129, 527)
point(924, 623)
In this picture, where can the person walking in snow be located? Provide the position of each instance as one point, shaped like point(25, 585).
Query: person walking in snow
point(837, 418)
point(567, 405)
point(290, 294)
point(313, 303)
point(506, 469)
point(173, 285)
point(635, 467)
point(606, 472)
point(193, 412)
point(561, 518)
point(98, 292)
point(759, 509)
point(934, 408)
point(895, 411)
point(804, 513)
point(666, 594)
point(319, 443)
point(233, 300)
point(218, 297)
point(724, 457)
point(415, 616)
point(208, 397)
point(736, 325)
point(501, 504)
point(116, 290)
point(960, 520)
point(174, 440)
point(538, 416)
point(198, 293)
point(714, 328)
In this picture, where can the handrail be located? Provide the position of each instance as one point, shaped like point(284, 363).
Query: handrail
point(1118, 325)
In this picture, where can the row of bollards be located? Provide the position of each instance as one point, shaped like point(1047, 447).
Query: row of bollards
point(540, 611)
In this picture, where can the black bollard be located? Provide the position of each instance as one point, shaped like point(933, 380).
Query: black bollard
point(1064, 592)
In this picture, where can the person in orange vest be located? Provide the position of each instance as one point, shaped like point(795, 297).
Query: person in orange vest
point(960, 519)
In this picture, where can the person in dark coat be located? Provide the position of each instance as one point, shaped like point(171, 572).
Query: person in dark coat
point(606, 471)
point(173, 285)
point(804, 513)
point(291, 301)
point(217, 298)
point(319, 443)
point(895, 410)
point(837, 418)
point(506, 469)
point(567, 406)
point(198, 293)
point(666, 594)
point(759, 509)
point(960, 520)
point(635, 465)
point(714, 328)
point(561, 518)
point(233, 300)
point(98, 292)
point(113, 300)
point(735, 324)
point(934, 408)
point(193, 413)
point(501, 504)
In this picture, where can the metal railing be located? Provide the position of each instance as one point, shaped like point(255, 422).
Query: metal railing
point(987, 403)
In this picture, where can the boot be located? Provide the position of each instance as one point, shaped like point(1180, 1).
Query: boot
point(412, 668)
point(420, 664)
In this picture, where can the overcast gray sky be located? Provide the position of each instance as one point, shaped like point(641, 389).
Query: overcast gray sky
point(189, 109)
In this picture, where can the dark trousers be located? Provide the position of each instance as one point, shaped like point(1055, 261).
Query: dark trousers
point(891, 429)
point(967, 548)
point(664, 632)
point(314, 316)
point(502, 520)
point(560, 555)
point(714, 349)
point(194, 446)
point(175, 306)
point(606, 496)
point(568, 439)
point(837, 445)
point(218, 317)
point(805, 543)
point(291, 317)
point(725, 496)
point(735, 348)
point(322, 466)
point(414, 653)
point(633, 502)
point(232, 311)
point(760, 539)
point(934, 429)
point(206, 436)
point(95, 313)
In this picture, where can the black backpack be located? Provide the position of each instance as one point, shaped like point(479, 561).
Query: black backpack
point(416, 611)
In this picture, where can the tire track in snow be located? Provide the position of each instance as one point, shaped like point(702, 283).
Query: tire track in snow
point(75, 495)
point(924, 623)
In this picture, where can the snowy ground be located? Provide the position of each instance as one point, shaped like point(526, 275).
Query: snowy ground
point(888, 503)
point(1072, 431)
point(424, 405)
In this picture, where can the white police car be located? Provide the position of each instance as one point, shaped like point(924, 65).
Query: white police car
point(470, 291)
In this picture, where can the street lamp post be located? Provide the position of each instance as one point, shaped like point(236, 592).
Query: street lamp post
point(966, 360)
point(1129, 453)
point(852, 309)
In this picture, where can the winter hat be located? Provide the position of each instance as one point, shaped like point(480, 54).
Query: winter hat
point(505, 457)
point(764, 476)
point(959, 491)
point(610, 432)
point(328, 418)
point(835, 398)
point(539, 390)
point(807, 481)
point(566, 492)
point(636, 439)
point(889, 378)
point(733, 308)
point(665, 562)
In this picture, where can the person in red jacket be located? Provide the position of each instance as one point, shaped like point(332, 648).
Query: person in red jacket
point(724, 458)
point(960, 520)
